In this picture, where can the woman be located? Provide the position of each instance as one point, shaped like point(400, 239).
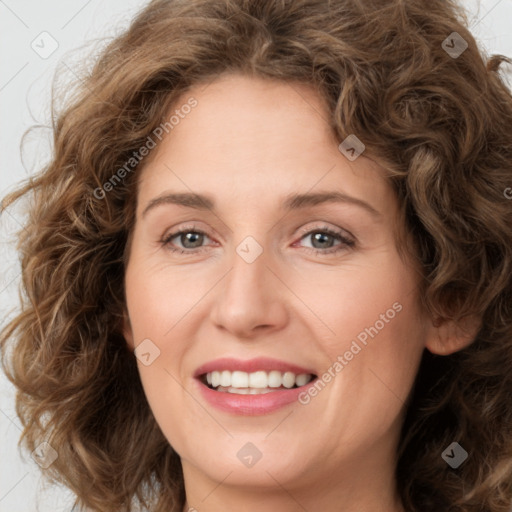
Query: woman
point(270, 265)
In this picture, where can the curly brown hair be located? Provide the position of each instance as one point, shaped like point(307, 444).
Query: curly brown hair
point(440, 122)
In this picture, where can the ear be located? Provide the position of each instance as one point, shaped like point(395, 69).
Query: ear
point(448, 336)
point(127, 330)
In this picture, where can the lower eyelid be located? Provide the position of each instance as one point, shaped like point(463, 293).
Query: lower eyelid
point(167, 238)
point(345, 242)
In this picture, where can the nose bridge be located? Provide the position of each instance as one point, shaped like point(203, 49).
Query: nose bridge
point(250, 296)
point(247, 280)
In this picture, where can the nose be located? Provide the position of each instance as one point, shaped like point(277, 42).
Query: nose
point(251, 299)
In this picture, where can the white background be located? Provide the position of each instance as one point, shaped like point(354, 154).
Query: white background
point(25, 87)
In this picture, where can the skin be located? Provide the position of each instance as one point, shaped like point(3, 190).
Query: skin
point(248, 144)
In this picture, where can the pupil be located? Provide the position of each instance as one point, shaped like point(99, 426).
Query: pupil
point(318, 237)
point(191, 237)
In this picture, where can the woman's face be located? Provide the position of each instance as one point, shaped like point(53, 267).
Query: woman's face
point(270, 280)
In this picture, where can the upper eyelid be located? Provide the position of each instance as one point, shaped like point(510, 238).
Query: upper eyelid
point(305, 231)
point(337, 230)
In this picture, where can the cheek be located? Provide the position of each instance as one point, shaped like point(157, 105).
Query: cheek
point(375, 326)
point(157, 316)
point(355, 297)
point(159, 300)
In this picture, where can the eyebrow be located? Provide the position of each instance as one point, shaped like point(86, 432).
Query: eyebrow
point(291, 202)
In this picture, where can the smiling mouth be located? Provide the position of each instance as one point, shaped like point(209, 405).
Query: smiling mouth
point(254, 383)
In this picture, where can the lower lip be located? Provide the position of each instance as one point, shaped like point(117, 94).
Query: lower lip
point(251, 405)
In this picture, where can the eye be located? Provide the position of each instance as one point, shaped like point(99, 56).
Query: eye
point(192, 239)
point(322, 240)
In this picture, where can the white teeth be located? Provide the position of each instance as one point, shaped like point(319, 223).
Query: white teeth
point(256, 382)
point(215, 379)
point(289, 380)
point(225, 378)
point(241, 391)
point(274, 379)
point(302, 379)
point(246, 391)
point(239, 380)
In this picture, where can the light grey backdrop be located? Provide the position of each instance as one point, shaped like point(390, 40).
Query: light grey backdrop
point(35, 38)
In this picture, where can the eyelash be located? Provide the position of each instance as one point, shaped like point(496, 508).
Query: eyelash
point(345, 241)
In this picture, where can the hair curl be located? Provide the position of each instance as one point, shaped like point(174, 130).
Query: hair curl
point(442, 127)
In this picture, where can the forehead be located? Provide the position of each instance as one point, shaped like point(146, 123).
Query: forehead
point(250, 139)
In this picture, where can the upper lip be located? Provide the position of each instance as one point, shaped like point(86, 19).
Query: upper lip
point(250, 365)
